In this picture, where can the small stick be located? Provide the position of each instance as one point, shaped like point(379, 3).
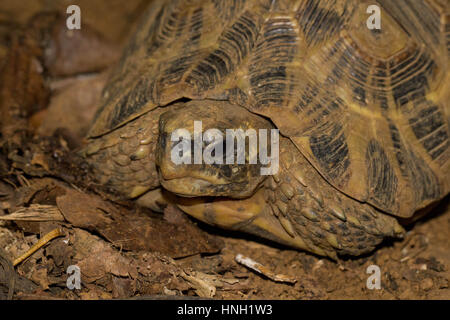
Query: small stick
point(43, 241)
point(255, 266)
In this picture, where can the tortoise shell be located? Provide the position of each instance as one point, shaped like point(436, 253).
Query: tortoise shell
point(369, 109)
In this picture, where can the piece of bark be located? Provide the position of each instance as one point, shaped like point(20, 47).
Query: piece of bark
point(134, 231)
point(35, 212)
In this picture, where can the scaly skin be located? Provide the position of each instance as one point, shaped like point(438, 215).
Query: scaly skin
point(123, 161)
point(325, 219)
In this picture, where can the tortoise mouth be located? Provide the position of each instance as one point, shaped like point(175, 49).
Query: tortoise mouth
point(186, 186)
point(190, 187)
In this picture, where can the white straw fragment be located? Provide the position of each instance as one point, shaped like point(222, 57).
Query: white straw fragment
point(255, 266)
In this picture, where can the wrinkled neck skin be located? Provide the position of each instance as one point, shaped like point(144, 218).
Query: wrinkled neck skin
point(293, 205)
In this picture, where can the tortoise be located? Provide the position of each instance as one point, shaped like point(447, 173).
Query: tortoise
point(362, 116)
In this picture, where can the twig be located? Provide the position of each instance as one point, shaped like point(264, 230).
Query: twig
point(255, 266)
point(43, 241)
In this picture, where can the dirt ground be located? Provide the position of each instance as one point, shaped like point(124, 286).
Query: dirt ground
point(50, 85)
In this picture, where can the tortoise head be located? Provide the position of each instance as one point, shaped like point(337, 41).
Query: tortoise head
point(214, 148)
